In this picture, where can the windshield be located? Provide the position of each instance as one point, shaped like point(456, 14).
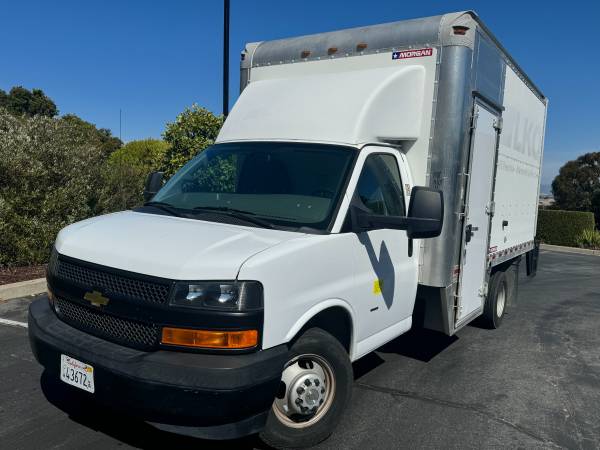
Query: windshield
point(285, 185)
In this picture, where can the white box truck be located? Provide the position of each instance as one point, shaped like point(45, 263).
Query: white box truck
point(367, 181)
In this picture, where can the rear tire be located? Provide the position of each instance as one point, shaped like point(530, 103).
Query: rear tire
point(496, 301)
point(303, 420)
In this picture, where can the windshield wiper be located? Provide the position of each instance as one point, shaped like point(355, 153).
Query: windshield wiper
point(237, 213)
point(165, 207)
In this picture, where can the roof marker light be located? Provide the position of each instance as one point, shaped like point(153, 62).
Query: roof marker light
point(460, 30)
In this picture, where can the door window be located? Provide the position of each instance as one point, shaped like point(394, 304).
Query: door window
point(379, 186)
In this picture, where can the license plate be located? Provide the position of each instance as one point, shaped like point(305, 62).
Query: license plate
point(77, 373)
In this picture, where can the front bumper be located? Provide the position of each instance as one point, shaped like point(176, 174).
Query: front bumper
point(206, 395)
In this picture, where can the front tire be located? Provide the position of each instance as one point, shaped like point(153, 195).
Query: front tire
point(316, 388)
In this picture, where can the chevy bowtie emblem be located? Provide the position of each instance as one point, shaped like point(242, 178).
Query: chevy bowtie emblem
point(96, 298)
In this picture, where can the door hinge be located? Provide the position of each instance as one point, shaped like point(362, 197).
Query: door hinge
point(474, 121)
point(490, 208)
point(483, 290)
point(498, 123)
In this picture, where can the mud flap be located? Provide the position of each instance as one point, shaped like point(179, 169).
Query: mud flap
point(531, 259)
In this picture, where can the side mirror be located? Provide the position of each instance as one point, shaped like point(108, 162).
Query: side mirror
point(425, 213)
point(153, 185)
point(424, 220)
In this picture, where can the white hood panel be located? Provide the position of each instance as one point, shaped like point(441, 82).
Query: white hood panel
point(166, 246)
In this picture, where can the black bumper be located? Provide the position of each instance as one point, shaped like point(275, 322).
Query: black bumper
point(213, 396)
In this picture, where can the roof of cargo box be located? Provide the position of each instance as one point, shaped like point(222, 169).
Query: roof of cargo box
point(456, 28)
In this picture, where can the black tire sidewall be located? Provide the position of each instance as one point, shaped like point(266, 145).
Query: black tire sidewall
point(318, 342)
point(498, 282)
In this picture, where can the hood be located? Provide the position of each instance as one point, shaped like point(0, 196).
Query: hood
point(166, 246)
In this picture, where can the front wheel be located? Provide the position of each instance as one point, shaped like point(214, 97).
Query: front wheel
point(316, 386)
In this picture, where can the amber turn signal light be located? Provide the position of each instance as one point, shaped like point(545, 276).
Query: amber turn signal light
point(209, 339)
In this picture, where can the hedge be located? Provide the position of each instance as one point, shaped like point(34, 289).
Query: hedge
point(563, 227)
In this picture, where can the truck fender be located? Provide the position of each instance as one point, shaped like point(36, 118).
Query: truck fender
point(316, 309)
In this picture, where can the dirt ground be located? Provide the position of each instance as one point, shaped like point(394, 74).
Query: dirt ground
point(15, 274)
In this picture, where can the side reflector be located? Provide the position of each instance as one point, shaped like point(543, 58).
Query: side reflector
point(209, 339)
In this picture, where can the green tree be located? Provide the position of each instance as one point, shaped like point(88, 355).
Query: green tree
point(21, 101)
point(49, 178)
point(102, 137)
point(193, 130)
point(577, 185)
point(126, 170)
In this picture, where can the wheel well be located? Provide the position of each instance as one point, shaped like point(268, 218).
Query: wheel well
point(503, 267)
point(336, 321)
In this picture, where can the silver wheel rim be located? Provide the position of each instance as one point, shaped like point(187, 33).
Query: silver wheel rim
point(307, 391)
point(501, 301)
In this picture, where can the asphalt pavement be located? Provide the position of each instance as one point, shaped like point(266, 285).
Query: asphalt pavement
point(533, 383)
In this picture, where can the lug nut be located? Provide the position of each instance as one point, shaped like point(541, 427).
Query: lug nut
point(307, 382)
point(300, 390)
point(303, 408)
point(317, 382)
point(321, 402)
point(322, 390)
point(299, 401)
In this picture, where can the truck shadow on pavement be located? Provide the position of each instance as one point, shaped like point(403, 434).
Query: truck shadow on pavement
point(130, 431)
point(418, 343)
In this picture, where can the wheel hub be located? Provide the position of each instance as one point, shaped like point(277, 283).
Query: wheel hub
point(307, 391)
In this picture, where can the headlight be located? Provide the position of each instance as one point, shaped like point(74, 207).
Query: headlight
point(219, 295)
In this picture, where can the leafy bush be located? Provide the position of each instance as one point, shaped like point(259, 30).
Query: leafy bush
point(194, 129)
point(49, 178)
point(559, 227)
point(589, 239)
point(126, 170)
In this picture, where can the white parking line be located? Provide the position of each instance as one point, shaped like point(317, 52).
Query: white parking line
point(13, 323)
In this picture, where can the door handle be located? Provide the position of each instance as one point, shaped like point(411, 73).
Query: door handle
point(469, 232)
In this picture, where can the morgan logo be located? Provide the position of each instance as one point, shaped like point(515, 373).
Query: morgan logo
point(412, 53)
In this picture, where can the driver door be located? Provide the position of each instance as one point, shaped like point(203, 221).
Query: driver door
point(386, 276)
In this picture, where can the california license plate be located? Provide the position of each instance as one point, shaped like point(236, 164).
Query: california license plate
point(77, 373)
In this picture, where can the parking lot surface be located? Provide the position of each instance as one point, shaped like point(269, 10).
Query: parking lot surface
point(533, 383)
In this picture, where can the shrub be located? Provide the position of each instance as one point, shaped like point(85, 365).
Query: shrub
point(194, 129)
point(126, 171)
point(49, 178)
point(563, 227)
point(589, 239)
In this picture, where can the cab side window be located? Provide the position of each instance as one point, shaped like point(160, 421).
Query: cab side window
point(379, 186)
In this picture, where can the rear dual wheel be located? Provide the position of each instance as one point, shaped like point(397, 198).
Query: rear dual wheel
point(316, 386)
point(496, 301)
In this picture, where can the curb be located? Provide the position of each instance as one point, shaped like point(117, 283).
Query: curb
point(560, 248)
point(22, 289)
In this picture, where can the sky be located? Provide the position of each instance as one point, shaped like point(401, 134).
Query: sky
point(151, 59)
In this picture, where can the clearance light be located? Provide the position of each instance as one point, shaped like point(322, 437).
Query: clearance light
point(305, 54)
point(332, 50)
point(209, 339)
point(460, 30)
point(361, 46)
